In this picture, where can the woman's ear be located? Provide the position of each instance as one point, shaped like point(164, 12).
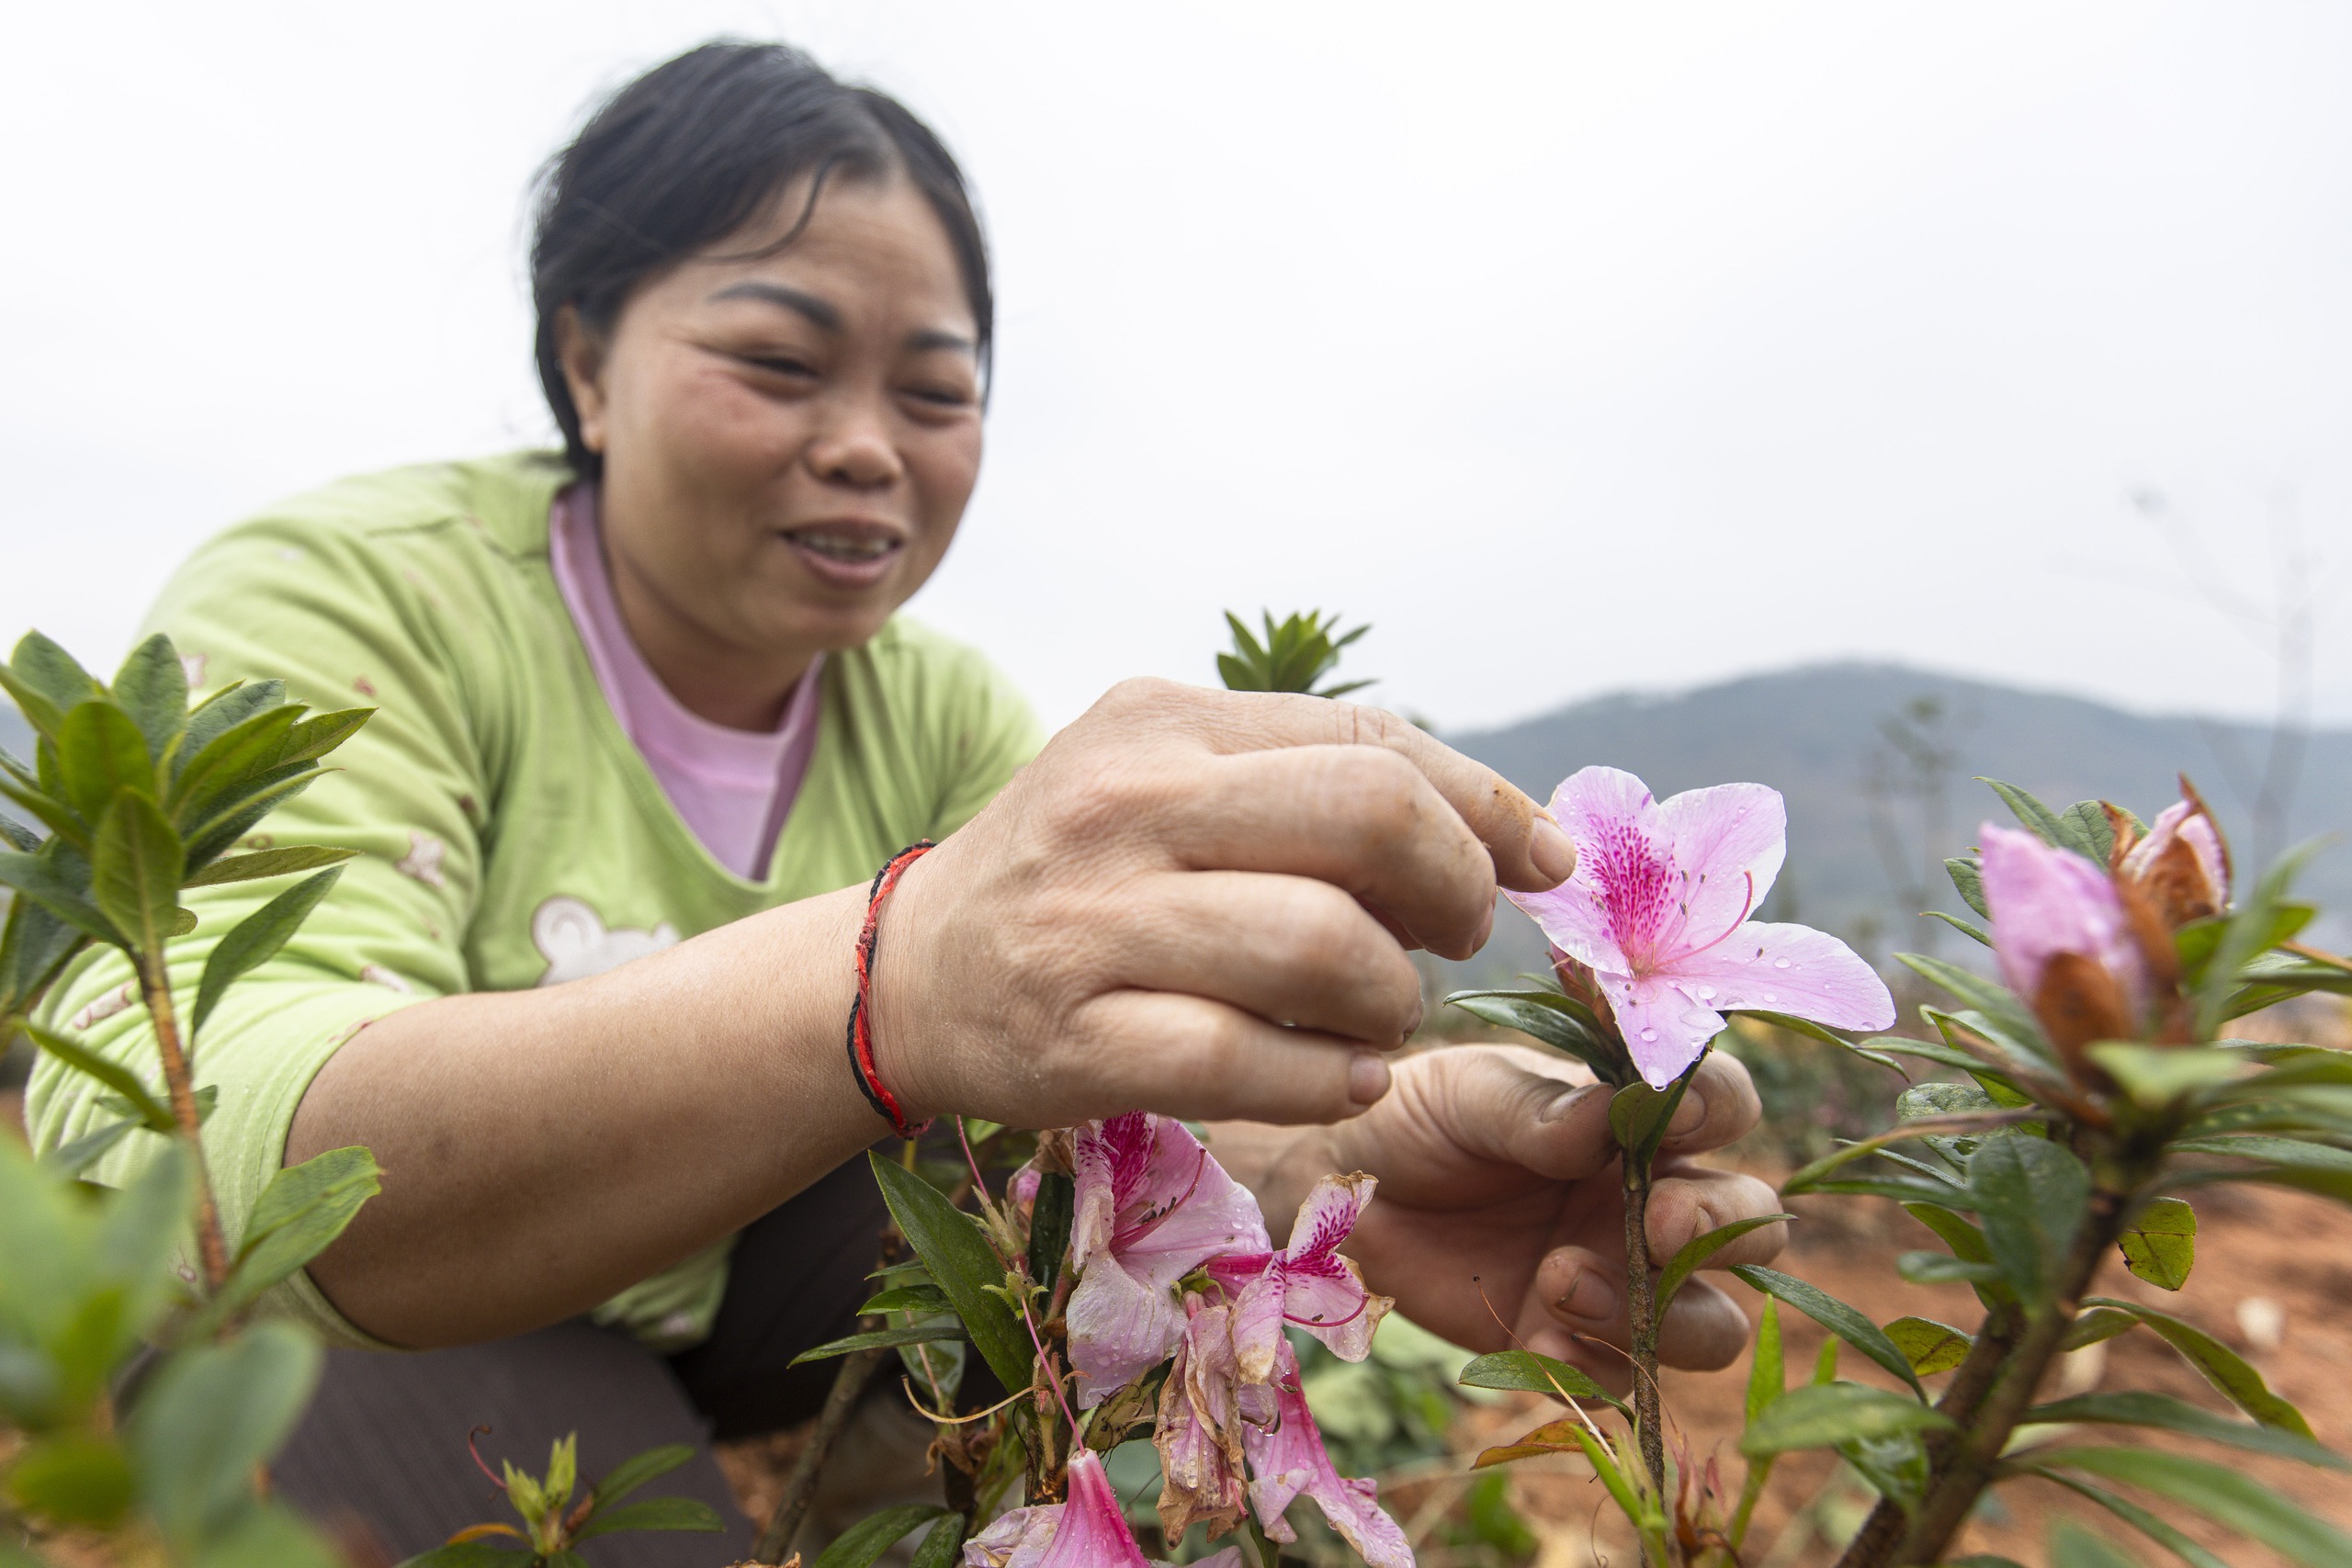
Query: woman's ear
point(583, 356)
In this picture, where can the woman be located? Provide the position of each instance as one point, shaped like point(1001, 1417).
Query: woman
point(648, 723)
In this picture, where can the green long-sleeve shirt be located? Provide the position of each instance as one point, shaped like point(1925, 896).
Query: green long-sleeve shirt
point(509, 833)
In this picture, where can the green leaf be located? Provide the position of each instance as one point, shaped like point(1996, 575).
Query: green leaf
point(1968, 878)
point(2249, 932)
point(470, 1554)
point(1827, 1035)
point(1638, 1115)
point(2228, 1495)
point(270, 1536)
point(45, 682)
point(2222, 1367)
point(1049, 1222)
point(1821, 1416)
point(1931, 1347)
point(1766, 1374)
point(2156, 1076)
point(2160, 1243)
point(115, 1076)
point(255, 940)
point(54, 814)
point(944, 1547)
point(2072, 1546)
point(58, 880)
point(2130, 1513)
point(881, 1339)
point(1701, 1247)
point(1526, 1373)
point(73, 1158)
point(906, 1298)
point(2030, 1196)
point(216, 833)
point(71, 1478)
point(151, 687)
point(221, 712)
point(2098, 1324)
point(2039, 819)
point(227, 760)
point(1558, 1022)
point(2161, 1410)
point(313, 737)
point(135, 874)
point(653, 1514)
point(2085, 829)
point(868, 1539)
point(211, 1413)
point(298, 1216)
point(1833, 1315)
point(950, 1244)
point(268, 863)
point(35, 945)
point(637, 1468)
point(1971, 931)
point(1936, 1269)
point(101, 755)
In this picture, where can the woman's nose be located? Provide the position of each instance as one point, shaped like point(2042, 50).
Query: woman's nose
point(855, 448)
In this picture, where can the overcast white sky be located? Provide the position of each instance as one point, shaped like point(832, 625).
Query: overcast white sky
point(1578, 347)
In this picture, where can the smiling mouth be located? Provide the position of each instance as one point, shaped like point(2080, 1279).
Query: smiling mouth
point(852, 544)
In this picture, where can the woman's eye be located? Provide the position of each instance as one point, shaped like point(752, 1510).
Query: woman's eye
point(781, 363)
point(941, 396)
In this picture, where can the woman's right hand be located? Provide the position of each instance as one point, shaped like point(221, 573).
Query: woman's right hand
point(1200, 903)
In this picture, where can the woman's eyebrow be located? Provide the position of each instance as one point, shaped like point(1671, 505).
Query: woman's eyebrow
point(929, 339)
point(818, 312)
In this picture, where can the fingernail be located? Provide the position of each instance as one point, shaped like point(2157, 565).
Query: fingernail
point(1554, 852)
point(1367, 1078)
point(1591, 1297)
point(1687, 1115)
point(1562, 1105)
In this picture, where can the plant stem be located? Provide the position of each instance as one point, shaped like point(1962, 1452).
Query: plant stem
point(801, 1490)
point(179, 1083)
point(1641, 1309)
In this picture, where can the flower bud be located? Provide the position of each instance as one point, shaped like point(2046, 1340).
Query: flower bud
point(2064, 941)
point(2182, 867)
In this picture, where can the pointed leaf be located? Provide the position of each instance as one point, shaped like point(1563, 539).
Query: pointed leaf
point(218, 833)
point(2160, 1243)
point(881, 1339)
point(208, 1416)
point(1968, 879)
point(58, 880)
point(101, 755)
point(2083, 828)
point(2229, 1495)
point(255, 940)
point(2039, 819)
point(52, 813)
point(114, 1074)
point(1821, 1416)
point(1638, 1115)
point(314, 737)
point(1822, 1032)
point(906, 1298)
point(1699, 1248)
point(151, 686)
point(1767, 1373)
point(46, 684)
point(237, 755)
point(1933, 1347)
point(268, 863)
point(83, 1152)
point(2130, 1513)
point(135, 874)
point(2222, 1367)
point(867, 1540)
point(2072, 1546)
point(2030, 1196)
point(2161, 1410)
point(221, 712)
point(944, 1547)
point(653, 1514)
point(1556, 1020)
point(1525, 1371)
point(35, 945)
point(1833, 1315)
point(951, 1246)
point(637, 1468)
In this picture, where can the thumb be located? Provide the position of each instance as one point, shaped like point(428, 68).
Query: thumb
point(1518, 1107)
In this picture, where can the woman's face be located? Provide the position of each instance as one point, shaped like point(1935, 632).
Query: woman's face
point(789, 441)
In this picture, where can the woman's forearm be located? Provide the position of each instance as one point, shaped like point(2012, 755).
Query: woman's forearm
point(545, 1149)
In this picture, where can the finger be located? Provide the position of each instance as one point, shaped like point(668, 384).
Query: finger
point(1188, 1056)
point(1583, 1296)
point(1530, 851)
point(1693, 1202)
point(1290, 949)
point(1357, 817)
point(1719, 1108)
point(1506, 1104)
point(1705, 1330)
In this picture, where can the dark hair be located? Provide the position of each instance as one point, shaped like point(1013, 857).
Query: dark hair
point(687, 155)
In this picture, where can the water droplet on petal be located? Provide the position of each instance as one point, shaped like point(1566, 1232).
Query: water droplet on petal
point(1771, 998)
point(1650, 1034)
point(1780, 963)
point(1706, 993)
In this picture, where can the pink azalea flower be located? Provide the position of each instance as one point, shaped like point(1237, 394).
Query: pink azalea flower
point(2047, 901)
point(1151, 1206)
point(2182, 866)
point(1657, 911)
point(1307, 1282)
point(1287, 1460)
point(1090, 1530)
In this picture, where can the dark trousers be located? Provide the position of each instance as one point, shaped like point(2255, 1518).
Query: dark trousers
point(383, 1449)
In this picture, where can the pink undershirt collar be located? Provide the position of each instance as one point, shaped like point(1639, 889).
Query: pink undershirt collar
point(732, 787)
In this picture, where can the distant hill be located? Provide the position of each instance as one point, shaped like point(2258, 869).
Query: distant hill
point(1816, 735)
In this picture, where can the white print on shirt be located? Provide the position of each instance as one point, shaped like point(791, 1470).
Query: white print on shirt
point(106, 1007)
point(571, 937)
point(192, 666)
point(376, 975)
point(424, 859)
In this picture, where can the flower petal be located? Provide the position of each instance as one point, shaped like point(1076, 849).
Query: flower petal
point(1199, 1432)
point(1092, 1531)
point(1622, 898)
point(1289, 1460)
point(1120, 1327)
point(1017, 1538)
point(1105, 1156)
point(2046, 902)
point(1791, 969)
point(1327, 1299)
point(1188, 1211)
point(1664, 1028)
point(1258, 1323)
point(1574, 920)
point(1725, 838)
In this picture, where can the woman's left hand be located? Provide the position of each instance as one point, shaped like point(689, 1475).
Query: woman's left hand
point(1500, 1215)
